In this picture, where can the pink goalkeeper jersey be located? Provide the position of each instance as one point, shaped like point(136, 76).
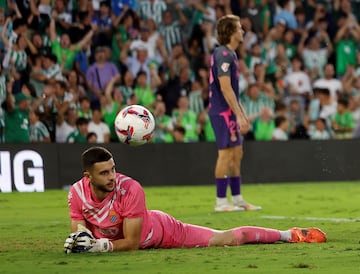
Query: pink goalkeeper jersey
point(105, 218)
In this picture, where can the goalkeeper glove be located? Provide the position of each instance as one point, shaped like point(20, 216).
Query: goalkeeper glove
point(84, 241)
point(70, 242)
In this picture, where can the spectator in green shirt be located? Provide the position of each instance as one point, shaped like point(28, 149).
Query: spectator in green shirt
point(17, 118)
point(79, 135)
point(264, 125)
point(84, 109)
point(164, 124)
point(343, 120)
point(254, 100)
point(143, 91)
point(346, 41)
point(207, 132)
point(3, 94)
point(186, 118)
point(63, 49)
point(39, 133)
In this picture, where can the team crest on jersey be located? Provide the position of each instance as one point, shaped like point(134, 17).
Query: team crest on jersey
point(113, 216)
point(225, 67)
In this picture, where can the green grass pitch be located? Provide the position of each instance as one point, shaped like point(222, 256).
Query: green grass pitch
point(33, 227)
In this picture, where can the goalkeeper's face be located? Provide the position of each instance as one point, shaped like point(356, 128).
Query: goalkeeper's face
point(102, 176)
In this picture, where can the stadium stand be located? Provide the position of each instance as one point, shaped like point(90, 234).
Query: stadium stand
point(302, 58)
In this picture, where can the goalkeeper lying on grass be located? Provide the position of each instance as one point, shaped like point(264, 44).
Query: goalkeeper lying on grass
point(108, 213)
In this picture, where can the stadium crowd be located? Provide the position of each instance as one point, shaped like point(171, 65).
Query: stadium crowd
point(68, 67)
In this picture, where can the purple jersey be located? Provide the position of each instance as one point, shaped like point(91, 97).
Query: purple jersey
point(223, 62)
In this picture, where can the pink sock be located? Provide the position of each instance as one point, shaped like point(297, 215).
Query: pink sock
point(252, 234)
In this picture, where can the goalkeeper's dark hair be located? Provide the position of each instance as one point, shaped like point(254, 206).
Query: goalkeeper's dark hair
point(94, 155)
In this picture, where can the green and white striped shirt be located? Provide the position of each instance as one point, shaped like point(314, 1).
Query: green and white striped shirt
point(126, 92)
point(2, 99)
point(154, 11)
point(46, 40)
point(53, 72)
point(254, 107)
point(12, 40)
point(38, 132)
point(171, 35)
point(20, 59)
point(196, 102)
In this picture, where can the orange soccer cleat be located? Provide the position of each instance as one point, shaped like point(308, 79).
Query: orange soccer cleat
point(307, 235)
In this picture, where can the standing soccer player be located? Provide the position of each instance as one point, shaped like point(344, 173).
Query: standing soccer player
point(108, 213)
point(227, 115)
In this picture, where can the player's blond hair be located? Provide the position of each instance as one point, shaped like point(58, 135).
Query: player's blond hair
point(225, 27)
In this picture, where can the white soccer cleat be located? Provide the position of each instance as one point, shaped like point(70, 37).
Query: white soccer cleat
point(227, 208)
point(246, 206)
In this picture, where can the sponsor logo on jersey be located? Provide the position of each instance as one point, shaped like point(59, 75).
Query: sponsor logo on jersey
point(110, 232)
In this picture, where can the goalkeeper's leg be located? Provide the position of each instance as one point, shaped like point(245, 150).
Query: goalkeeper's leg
point(197, 236)
point(261, 235)
point(245, 235)
point(177, 234)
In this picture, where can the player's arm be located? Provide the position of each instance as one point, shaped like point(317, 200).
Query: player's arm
point(74, 224)
point(229, 95)
point(236, 107)
point(81, 238)
point(84, 41)
point(132, 235)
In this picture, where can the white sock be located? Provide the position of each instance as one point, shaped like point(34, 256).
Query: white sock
point(221, 201)
point(238, 199)
point(285, 235)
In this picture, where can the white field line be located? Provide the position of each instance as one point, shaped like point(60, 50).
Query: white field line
point(336, 220)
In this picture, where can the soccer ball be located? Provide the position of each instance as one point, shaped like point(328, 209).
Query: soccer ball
point(135, 125)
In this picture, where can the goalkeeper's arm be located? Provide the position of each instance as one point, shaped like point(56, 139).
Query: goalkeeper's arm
point(75, 224)
point(86, 242)
point(132, 235)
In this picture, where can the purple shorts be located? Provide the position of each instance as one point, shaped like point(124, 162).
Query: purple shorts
point(226, 130)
